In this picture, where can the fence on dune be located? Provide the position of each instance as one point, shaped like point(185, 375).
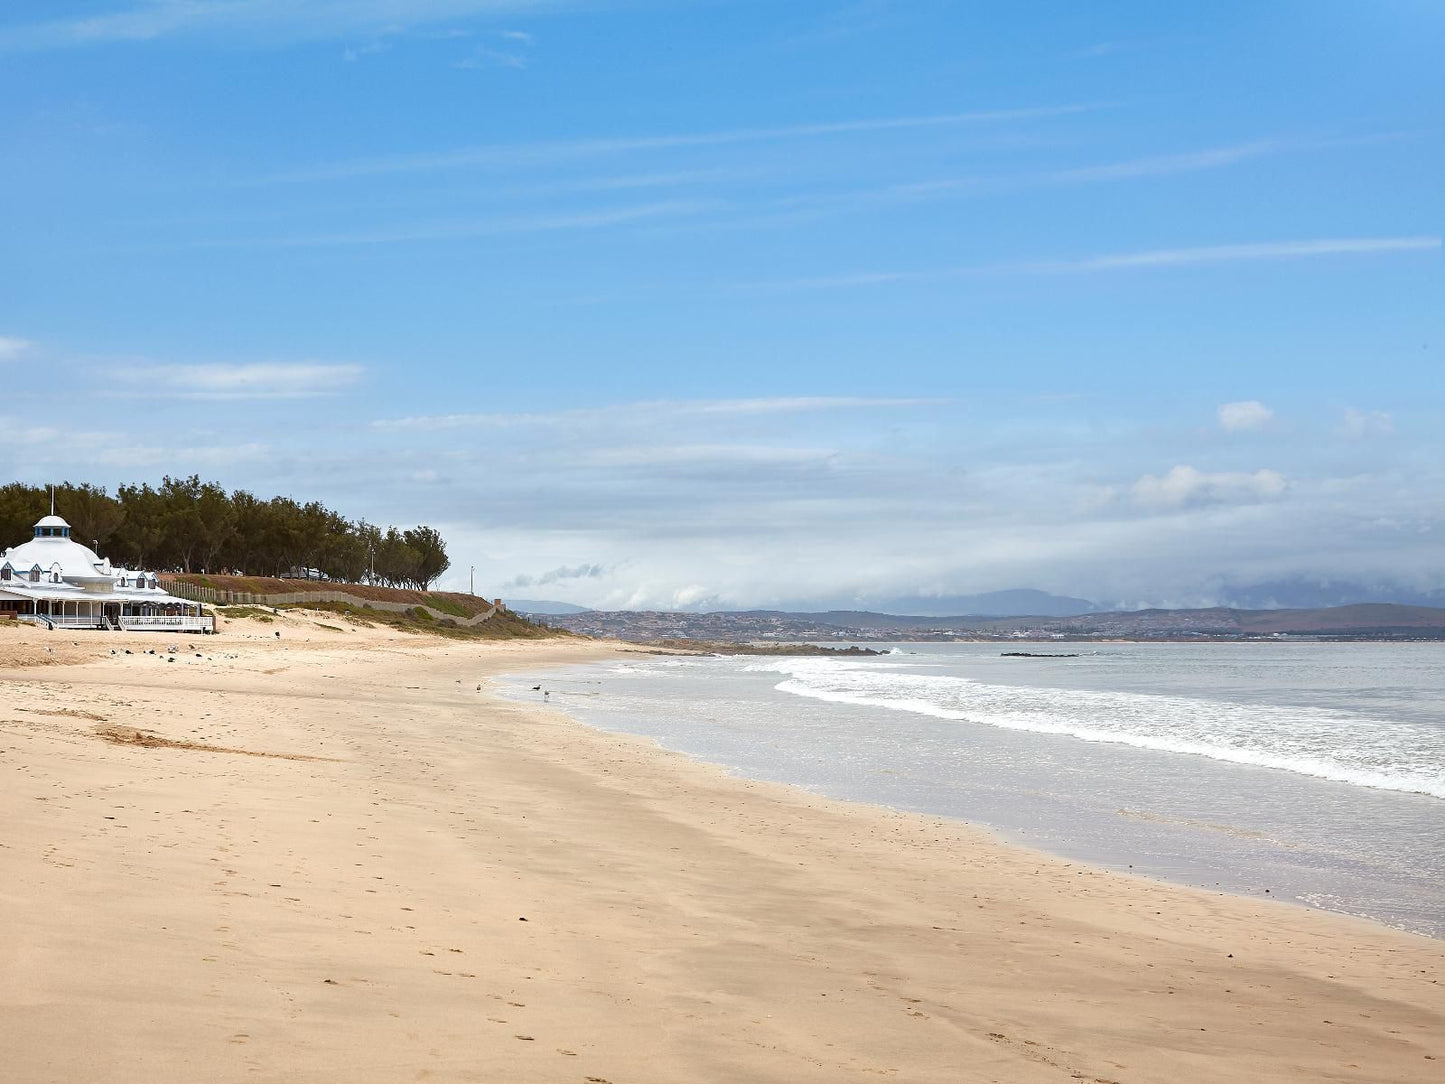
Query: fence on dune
point(220, 597)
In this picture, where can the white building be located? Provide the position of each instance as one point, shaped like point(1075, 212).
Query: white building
point(54, 581)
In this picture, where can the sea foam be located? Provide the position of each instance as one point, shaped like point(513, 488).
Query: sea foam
point(1327, 743)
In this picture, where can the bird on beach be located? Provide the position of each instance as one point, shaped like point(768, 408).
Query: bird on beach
point(536, 688)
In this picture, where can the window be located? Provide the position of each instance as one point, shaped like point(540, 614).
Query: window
point(35, 574)
point(6, 573)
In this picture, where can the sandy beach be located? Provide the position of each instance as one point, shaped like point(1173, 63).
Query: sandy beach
point(333, 855)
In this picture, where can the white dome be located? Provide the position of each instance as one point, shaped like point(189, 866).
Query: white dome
point(51, 521)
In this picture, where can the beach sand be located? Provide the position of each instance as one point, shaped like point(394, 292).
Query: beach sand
point(329, 856)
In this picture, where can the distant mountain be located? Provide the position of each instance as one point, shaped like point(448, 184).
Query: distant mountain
point(542, 606)
point(1300, 593)
point(1021, 602)
point(1370, 621)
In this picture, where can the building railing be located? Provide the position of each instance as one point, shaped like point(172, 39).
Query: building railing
point(71, 621)
point(184, 622)
point(128, 622)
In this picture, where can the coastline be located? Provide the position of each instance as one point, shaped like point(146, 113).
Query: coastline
point(189, 912)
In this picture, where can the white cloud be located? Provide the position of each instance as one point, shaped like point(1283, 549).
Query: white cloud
point(11, 348)
point(265, 380)
point(1250, 414)
point(1186, 487)
point(1366, 423)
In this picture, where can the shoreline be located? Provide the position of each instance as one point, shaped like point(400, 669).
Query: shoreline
point(993, 834)
point(1193, 841)
point(256, 918)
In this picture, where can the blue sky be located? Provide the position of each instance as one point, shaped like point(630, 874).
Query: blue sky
point(738, 303)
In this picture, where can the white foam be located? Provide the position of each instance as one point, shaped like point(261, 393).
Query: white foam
point(1325, 743)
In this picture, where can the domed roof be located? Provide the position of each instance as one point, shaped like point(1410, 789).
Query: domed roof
point(52, 548)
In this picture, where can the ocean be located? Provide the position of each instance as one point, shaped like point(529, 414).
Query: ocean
point(1309, 772)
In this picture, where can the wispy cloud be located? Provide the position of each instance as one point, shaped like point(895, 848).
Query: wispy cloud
point(549, 151)
point(1366, 423)
point(11, 348)
point(1159, 165)
point(655, 409)
point(459, 229)
point(557, 575)
point(811, 205)
point(483, 57)
point(265, 20)
point(707, 457)
point(1102, 48)
point(514, 54)
point(356, 52)
point(1266, 250)
point(54, 449)
point(1148, 259)
point(264, 380)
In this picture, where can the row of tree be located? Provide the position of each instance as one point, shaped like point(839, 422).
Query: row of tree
point(188, 525)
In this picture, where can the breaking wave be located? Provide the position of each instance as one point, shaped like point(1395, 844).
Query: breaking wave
point(1343, 746)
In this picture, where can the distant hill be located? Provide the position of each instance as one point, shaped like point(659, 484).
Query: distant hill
point(1306, 594)
point(1019, 602)
point(542, 606)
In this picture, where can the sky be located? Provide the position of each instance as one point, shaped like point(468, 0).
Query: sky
point(731, 303)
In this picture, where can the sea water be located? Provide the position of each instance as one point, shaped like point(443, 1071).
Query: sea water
point(1310, 772)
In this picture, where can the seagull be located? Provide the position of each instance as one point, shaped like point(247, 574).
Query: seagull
point(536, 688)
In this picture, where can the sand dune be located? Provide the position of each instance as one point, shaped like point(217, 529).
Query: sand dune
point(406, 879)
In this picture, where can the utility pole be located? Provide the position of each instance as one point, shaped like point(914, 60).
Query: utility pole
point(474, 579)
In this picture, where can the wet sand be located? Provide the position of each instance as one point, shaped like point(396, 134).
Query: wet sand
point(330, 856)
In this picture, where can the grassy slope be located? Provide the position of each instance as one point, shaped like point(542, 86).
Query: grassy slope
point(447, 602)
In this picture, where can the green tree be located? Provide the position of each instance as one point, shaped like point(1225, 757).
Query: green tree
point(20, 507)
point(431, 551)
point(94, 516)
point(396, 562)
point(142, 535)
